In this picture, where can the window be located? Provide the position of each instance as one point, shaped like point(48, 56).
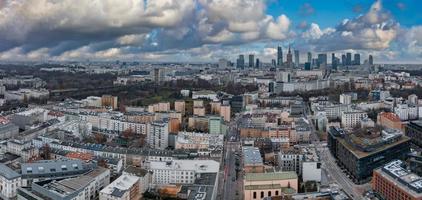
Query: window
point(41, 169)
point(269, 193)
point(262, 194)
point(29, 170)
point(254, 195)
point(276, 193)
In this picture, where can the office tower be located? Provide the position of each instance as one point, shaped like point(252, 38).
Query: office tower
point(371, 60)
point(322, 60)
point(314, 63)
point(343, 60)
point(279, 56)
point(356, 60)
point(309, 57)
point(289, 58)
point(296, 58)
point(257, 63)
point(334, 61)
point(251, 60)
point(273, 63)
point(240, 62)
point(349, 59)
point(308, 66)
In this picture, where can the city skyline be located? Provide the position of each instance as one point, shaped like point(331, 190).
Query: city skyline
point(204, 31)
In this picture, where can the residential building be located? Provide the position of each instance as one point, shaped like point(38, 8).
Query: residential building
point(345, 98)
point(390, 120)
point(252, 160)
point(225, 112)
point(352, 119)
point(7, 129)
point(109, 101)
point(180, 106)
point(180, 171)
point(158, 135)
point(10, 181)
point(126, 187)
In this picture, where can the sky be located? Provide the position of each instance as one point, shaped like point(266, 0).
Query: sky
point(207, 30)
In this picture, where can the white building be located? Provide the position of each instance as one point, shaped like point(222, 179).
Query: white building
point(406, 112)
point(311, 171)
point(158, 135)
point(345, 98)
point(126, 187)
point(352, 119)
point(181, 171)
point(10, 181)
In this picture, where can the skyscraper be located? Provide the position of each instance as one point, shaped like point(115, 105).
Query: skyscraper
point(240, 62)
point(356, 60)
point(334, 62)
point(322, 60)
point(309, 57)
point(296, 58)
point(343, 60)
point(371, 60)
point(257, 63)
point(279, 56)
point(251, 60)
point(349, 59)
point(273, 63)
point(289, 58)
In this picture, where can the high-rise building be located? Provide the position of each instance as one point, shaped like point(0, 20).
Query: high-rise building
point(158, 135)
point(296, 58)
point(251, 60)
point(371, 60)
point(109, 101)
point(356, 60)
point(257, 64)
point(289, 58)
point(279, 56)
point(349, 59)
point(240, 63)
point(343, 60)
point(307, 66)
point(309, 57)
point(158, 75)
point(273, 63)
point(334, 61)
point(322, 60)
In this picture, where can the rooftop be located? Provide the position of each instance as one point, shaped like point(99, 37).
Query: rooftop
point(406, 179)
point(8, 173)
point(122, 184)
point(199, 166)
point(270, 176)
point(252, 156)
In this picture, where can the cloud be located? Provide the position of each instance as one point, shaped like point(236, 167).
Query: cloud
point(106, 28)
point(306, 9)
point(375, 30)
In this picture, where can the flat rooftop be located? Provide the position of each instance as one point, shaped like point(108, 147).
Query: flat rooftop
point(405, 179)
point(270, 176)
point(252, 156)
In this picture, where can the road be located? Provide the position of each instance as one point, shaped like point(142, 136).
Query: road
point(231, 183)
point(331, 171)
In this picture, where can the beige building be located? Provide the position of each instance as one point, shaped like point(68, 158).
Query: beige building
point(159, 107)
point(274, 184)
point(199, 111)
point(215, 107)
point(110, 101)
point(198, 103)
point(180, 106)
point(225, 112)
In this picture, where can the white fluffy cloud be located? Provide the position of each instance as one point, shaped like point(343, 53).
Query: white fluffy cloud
point(374, 30)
